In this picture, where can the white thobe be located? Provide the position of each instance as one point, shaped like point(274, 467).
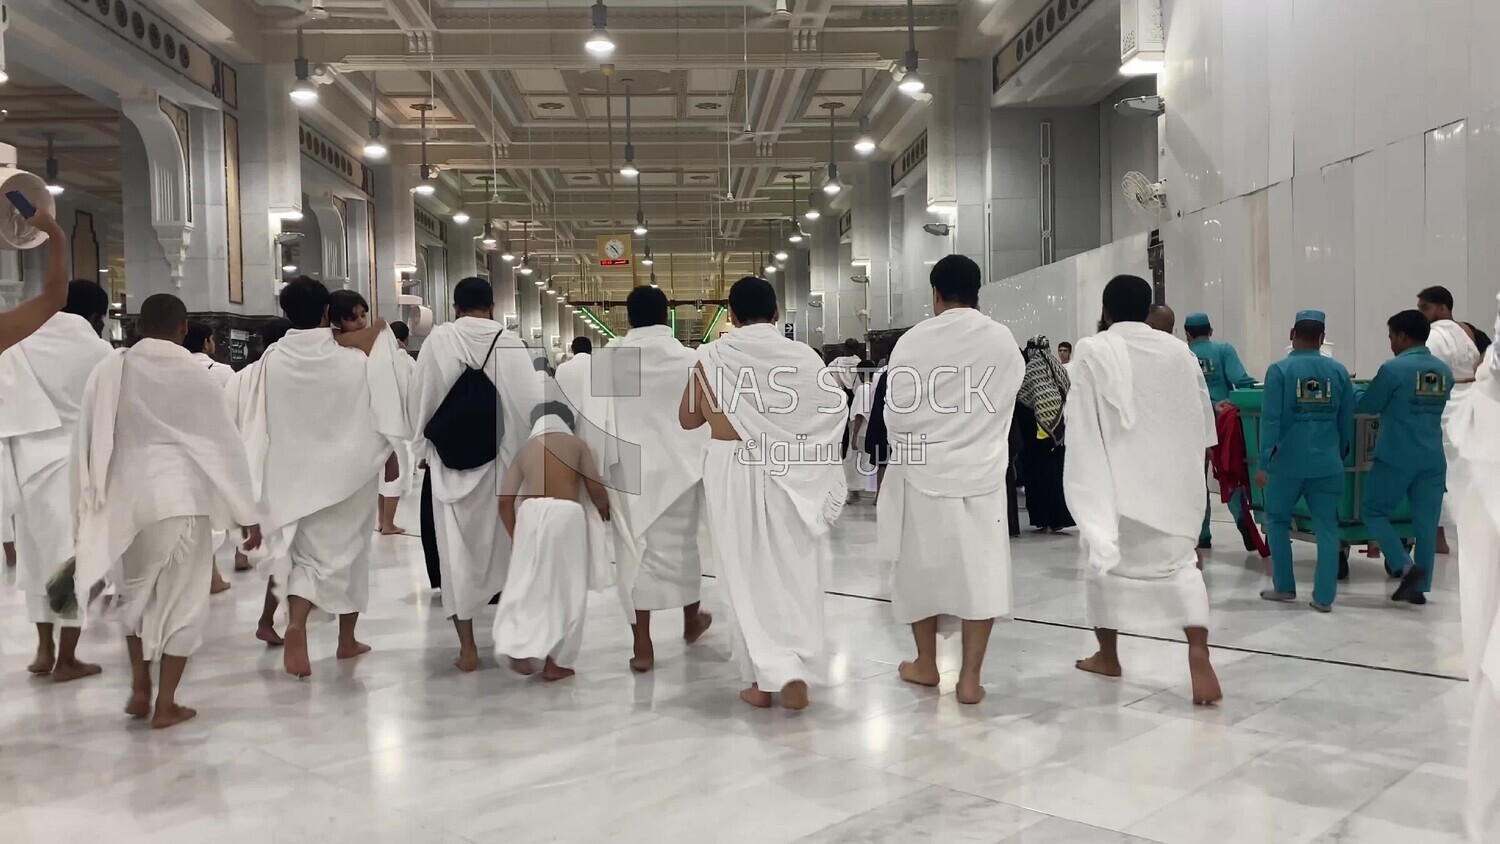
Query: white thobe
point(1139, 421)
point(950, 396)
point(771, 499)
point(862, 478)
point(1451, 344)
point(221, 373)
point(320, 422)
point(43, 378)
point(156, 464)
point(406, 460)
point(574, 379)
point(654, 469)
point(473, 548)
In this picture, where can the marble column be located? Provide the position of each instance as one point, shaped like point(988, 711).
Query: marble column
point(270, 186)
point(395, 236)
point(871, 244)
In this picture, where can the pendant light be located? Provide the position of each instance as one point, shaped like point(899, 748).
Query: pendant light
point(831, 183)
point(911, 83)
point(525, 268)
point(770, 246)
point(506, 254)
point(428, 185)
point(649, 260)
point(304, 93)
point(628, 169)
point(600, 43)
point(864, 144)
point(54, 187)
point(374, 148)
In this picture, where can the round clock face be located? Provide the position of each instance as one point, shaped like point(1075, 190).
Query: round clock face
point(614, 249)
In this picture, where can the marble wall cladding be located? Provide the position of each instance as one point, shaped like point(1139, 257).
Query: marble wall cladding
point(1063, 299)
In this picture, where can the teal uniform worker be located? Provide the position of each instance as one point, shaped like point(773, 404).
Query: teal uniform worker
point(1224, 373)
point(1307, 423)
point(1409, 393)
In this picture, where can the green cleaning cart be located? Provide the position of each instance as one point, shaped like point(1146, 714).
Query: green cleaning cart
point(1352, 530)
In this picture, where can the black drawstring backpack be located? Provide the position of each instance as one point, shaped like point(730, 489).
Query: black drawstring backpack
point(466, 428)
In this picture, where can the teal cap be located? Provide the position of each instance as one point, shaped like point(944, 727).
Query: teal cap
point(1196, 321)
point(1312, 316)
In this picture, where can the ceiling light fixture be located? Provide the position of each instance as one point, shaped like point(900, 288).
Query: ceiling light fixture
point(628, 169)
point(640, 224)
point(304, 92)
point(831, 183)
point(865, 143)
point(525, 268)
point(374, 149)
point(428, 185)
point(649, 260)
point(600, 43)
point(461, 217)
point(911, 82)
point(288, 268)
point(54, 187)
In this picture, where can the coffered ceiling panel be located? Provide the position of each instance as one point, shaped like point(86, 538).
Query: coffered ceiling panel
point(647, 107)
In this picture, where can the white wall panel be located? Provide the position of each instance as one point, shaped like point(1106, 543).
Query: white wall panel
point(1211, 250)
point(1251, 300)
point(1284, 260)
point(1447, 250)
point(1483, 151)
point(1324, 92)
point(1389, 99)
point(1063, 300)
point(1282, 84)
point(1223, 288)
point(1191, 85)
point(1484, 59)
point(1245, 100)
point(1337, 298)
point(1446, 59)
point(1184, 248)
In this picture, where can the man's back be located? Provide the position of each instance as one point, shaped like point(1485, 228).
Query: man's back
point(548, 466)
point(1307, 415)
point(62, 353)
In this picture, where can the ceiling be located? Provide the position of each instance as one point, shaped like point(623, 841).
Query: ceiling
point(84, 134)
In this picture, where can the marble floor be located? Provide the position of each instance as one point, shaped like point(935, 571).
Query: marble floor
point(1347, 727)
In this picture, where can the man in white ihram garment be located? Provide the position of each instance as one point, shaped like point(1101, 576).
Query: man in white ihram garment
point(1451, 344)
point(1139, 424)
point(473, 547)
point(392, 491)
point(324, 415)
point(951, 394)
point(1471, 423)
point(655, 473)
point(157, 465)
point(773, 486)
point(845, 372)
point(43, 378)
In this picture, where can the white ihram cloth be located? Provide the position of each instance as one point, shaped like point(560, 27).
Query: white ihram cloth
point(1470, 423)
point(320, 421)
point(1139, 421)
point(654, 470)
point(561, 553)
point(8, 497)
point(155, 445)
point(862, 478)
point(1450, 343)
point(771, 499)
point(221, 373)
point(473, 548)
point(405, 456)
point(941, 516)
point(843, 368)
point(43, 378)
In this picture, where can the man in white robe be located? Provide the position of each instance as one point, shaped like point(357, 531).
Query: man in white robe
point(845, 372)
point(1451, 344)
point(156, 467)
point(655, 473)
point(773, 487)
point(200, 342)
point(43, 377)
point(324, 415)
point(473, 548)
point(1471, 423)
point(1139, 424)
point(951, 394)
point(392, 490)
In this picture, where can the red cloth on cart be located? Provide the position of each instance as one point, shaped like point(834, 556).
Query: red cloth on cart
point(1232, 470)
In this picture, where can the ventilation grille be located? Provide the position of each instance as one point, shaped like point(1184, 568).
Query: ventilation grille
point(1037, 33)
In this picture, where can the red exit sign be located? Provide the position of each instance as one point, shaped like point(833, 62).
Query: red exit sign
point(614, 262)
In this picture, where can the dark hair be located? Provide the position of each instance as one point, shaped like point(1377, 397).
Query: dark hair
point(553, 408)
point(645, 306)
point(1412, 324)
point(473, 294)
point(956, 279)
point(1065, 345)
point(197, 337)
point(1195, 331)
point(1481, 340)
point(341, 305)
point(274, 330)
point(1127, 298)
point(401, 330)
point(1309, 330)
point(304, 301)
point(1437, 296)
point(86, 299)
point(161, 315)
point(752, 299)
point(582, 346)
point(852, 346)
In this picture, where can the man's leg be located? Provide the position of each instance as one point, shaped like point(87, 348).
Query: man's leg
point(46, 651)
point(1385, 486)
point(923, 670)
point(976, 639)
point(468, 651)
point(643, 655)
point(218, 584)
point(265, 629)
point(1205, 681)
point(695, 622)
point(10, 555)
point(1426, 498)
point(139, 705)
point(294, 659)
point(1323, 496)
point(350, 647)
point(1107, 660)
point(1242, 518)
point(1281, 496)
point(68, 666)
point(168, 712)
point(1206, 533)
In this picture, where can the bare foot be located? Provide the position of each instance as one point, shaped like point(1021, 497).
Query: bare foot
point(756, 698)
point(1097, 664)
point(641, 663)
point(350, 650)
point(552, 671)
point(1442, 541)
point(916, 672)
point(73, 670)
point(1205, 682)
point(524, 667)
point(219, 584)
point(268, 635)
point(241, 562)
point(43, 663)
point(392, 530)
point(691, 633)
point(794, 695)
point(171, 716)
point(139, 705)
point(970, 690)
point(294, 658)
point(10, 555)
point(467, 661)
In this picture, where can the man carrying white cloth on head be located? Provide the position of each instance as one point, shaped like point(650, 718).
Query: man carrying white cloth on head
point(1139, 424)
point(324, 415)
point(157, 465)
point(473, 547)
point(655, 472)
point(43, 378)
point(951, 394)
point(773, 484)
point(1451, 344)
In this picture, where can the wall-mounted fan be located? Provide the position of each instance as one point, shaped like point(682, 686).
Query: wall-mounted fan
point(1143, 195)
